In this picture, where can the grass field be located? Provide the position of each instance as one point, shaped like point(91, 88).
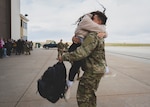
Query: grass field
point(126, 44)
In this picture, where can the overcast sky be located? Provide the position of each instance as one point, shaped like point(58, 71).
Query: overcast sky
point(128, 20)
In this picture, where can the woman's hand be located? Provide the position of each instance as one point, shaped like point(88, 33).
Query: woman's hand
point(75, 39)
point(101, 34)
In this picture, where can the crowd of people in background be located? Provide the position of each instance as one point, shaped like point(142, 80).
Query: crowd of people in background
point(9, 46)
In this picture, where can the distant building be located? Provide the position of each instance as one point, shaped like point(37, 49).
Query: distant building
point(49, 41)
point(23, 27)
point(11, 20)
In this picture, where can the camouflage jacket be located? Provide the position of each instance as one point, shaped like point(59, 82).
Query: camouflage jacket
point(60, 45)
point(93, 53)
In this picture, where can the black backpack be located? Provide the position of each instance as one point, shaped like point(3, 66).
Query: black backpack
point(52, 84)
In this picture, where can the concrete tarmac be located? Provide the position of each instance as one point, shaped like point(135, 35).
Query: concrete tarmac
point(128, 84)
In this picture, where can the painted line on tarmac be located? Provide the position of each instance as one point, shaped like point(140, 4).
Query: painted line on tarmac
point(129, 55)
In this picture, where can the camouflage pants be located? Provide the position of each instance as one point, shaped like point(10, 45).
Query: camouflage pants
point(60, 53)
point(86, 89)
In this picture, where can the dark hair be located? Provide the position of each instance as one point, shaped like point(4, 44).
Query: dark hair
point(100, 15)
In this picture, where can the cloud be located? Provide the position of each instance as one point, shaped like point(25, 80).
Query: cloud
point(126, 18)
point(129, 19)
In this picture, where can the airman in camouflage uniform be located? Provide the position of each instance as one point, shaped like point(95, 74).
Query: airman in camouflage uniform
point(93, 53)
point(60, 47)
